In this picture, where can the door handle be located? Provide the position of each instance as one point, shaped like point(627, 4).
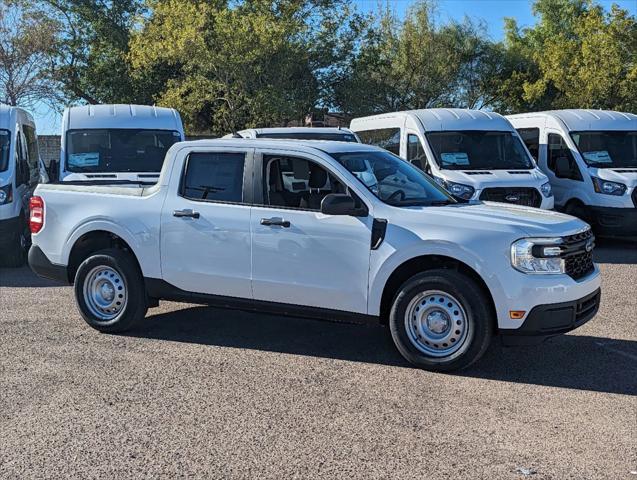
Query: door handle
point(187, 213)
point(275, 222)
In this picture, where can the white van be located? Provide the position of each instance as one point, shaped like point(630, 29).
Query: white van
point(298, 133)
point(474, 154)
point(19, 175)
point(117, 143)
point(590, 156)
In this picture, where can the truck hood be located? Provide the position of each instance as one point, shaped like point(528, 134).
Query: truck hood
point(480, 179)
point(516, 220)
point(627, 176)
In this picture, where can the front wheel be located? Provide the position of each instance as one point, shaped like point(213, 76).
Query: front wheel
point(110, 292)
point(440, 320)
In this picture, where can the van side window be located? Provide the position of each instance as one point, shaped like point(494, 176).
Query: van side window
point(387, 138)
point(531, 138)
point(22, 165)
point(32, 150)
point(560, 159)
point(214, 177)
point(291, 182)
point(415, 152)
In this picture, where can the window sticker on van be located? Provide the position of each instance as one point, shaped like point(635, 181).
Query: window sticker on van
point(90, 159)
point(601, 156)
point(455, 158)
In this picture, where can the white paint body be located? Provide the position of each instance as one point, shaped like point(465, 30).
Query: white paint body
point(322, 260)
point(290, 133)
point(563, 123)
point(13, 120)
point(116, 116)
point(420, 122)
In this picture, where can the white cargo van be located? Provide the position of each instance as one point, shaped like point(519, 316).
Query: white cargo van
point(19, 175)
point(116, 143)
point(298, 133)
point(474, 154)
point(590, 156)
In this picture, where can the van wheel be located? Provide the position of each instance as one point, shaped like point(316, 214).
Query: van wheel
point(109, 291)
point(577, 209)
point(440, 320)
point(15, 254)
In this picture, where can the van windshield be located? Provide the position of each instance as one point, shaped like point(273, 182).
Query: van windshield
point(393, 180)
point(607, 149)
point(118, 150)
point(5, 144)
point(339, 137)
point(479, 150)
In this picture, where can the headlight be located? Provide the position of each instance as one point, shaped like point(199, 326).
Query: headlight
point(537, 255)
point(608, 188)
point(6, 194)
point(458, 189)
point(546, 189)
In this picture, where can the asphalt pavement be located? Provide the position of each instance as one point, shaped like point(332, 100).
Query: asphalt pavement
point(199, 392)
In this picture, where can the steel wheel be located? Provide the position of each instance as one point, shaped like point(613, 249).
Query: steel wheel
point(436, 323)
point(105, 293)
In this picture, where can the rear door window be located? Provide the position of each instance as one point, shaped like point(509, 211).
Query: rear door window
point(214, 177)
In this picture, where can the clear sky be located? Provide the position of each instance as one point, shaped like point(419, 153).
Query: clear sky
point(491, 11)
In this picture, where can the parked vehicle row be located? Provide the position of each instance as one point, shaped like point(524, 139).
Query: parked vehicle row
point(222, 226)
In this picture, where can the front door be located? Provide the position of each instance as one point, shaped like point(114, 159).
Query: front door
point(564, 183)
point(299, 255)
point(205, 227)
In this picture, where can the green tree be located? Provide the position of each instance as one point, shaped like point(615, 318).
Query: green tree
point(577, 56)
point(226, 67)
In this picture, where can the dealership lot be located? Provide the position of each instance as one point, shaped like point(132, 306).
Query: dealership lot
point(202, 392)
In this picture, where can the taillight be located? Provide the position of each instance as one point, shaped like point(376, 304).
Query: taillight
point(36, 218)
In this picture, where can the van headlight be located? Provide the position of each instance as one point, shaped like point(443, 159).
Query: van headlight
point(458, 189)
point(546, 190)
point(607, 187)
point(538, 255)
point(6, 194)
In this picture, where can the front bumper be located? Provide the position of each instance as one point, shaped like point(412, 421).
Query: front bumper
point(43, 267)
point(545, 321)
point(613, 222)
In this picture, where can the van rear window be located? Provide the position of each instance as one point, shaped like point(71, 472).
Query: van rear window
point(118, 150)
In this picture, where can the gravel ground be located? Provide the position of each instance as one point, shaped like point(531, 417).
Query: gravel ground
point(206, 393)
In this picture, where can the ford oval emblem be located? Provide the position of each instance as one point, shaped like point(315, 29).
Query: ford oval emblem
point(512, 198)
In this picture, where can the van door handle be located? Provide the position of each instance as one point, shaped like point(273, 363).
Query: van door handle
point(186, 213)
point(275, 222)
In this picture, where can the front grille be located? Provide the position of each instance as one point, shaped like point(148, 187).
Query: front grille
point(577, 251)
point(529, 197)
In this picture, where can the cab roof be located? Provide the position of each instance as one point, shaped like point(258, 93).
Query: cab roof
point(307, 146)
point(440, 119)
point(284, 130)
point(9, 115)
point(122, 116)
point(580, 119)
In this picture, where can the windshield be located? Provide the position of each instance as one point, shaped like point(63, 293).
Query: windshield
point(393, 180)
point(339, 137)
point(118, 150)
point(479, 150)
point(5, 143)
point(607, 149)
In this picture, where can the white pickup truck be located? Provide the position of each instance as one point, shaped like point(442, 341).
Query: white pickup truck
point(290, 227)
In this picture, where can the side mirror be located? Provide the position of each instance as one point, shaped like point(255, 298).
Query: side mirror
point(562, 167)
point(341, 204)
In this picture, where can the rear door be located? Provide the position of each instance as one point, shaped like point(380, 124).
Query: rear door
point(299, 255)
point(205, 228)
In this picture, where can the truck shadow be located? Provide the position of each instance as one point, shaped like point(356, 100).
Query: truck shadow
point(23, 277)
point(569, 361)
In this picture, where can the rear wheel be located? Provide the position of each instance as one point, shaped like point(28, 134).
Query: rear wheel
point(15, 253)
point(440, 320)
point(110, 292)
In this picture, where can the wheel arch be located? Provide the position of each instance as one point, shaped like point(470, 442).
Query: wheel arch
point(412, 266)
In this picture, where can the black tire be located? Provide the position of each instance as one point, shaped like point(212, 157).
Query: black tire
point(577, 209)
point(476, 314)
point(15, 253)
point(124, 265)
